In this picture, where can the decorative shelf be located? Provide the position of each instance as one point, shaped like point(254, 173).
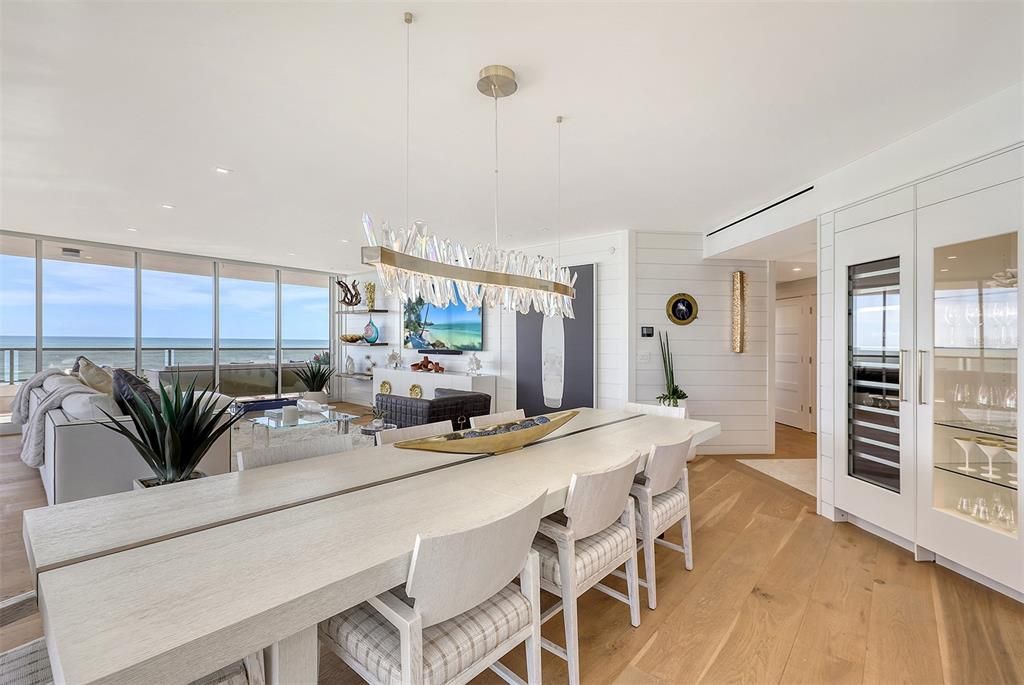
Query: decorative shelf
point(363, 344)
point(1008, 432)
point(988, 526)
point(1003, 471)
point(363, 311)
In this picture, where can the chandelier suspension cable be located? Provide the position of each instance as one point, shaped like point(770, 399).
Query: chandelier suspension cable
point(494, 93)
point(558, 194)
point(408, 38)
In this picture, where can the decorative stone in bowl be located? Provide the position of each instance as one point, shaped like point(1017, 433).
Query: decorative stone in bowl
point(496, 439)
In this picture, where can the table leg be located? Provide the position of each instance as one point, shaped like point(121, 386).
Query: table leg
point(294, 660)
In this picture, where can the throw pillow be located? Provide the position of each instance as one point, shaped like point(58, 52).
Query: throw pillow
point(125, 382)
point(96, 377)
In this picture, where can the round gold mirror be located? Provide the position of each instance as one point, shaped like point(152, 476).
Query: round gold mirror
point(681, 309)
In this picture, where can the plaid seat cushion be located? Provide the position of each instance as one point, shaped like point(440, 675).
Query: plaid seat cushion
point(593, 553)
point(449, 648)
point(27, 664)
point(668, 507)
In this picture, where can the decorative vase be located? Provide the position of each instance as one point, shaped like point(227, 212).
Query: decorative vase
point(350, 365)
point(319, 396)
point(370, 331)
point(371, 295)
point(377, 423)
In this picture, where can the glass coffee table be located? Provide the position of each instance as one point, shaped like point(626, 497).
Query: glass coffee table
point(272, 426)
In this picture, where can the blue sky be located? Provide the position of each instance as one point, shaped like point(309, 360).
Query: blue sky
point(97, 300)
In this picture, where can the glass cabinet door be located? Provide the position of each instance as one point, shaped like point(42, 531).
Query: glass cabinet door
point(874, 388)
point(974, 382)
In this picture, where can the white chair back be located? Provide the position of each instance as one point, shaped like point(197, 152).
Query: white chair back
point(453, 573)
point(426, 430)
point(665, 465)
point(494, 419)
point(596, 499)
point(292, 451)
point(656, 410)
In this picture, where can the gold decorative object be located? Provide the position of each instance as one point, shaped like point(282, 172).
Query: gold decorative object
point(385, 387)
point(348, 295)
point(681, 309)
point(416, 390)
point(371, 295)
point(351, 337)
point(489, 444)
point(739, 311)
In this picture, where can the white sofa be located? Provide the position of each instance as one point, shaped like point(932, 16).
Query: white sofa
point(84, 459)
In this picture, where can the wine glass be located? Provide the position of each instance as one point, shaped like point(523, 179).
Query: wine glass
point(972, 314)
point(952, 316)
point(997, 313)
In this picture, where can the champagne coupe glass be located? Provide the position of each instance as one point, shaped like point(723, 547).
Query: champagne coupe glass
point(1012, 452)
point(966, 445)
point(991, 449)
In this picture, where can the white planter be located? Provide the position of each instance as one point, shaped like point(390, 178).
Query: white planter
point(146, 483)
point(320, 397)
point(670, 410)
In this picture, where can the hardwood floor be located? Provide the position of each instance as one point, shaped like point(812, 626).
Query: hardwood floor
point(777, 594)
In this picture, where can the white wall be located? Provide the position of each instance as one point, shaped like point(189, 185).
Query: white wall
point(722, 385)
point(989, 125)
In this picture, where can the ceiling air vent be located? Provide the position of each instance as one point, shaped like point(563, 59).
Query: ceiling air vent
point(70, 252)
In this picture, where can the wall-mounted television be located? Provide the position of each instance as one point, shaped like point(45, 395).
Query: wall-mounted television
point(452, 328)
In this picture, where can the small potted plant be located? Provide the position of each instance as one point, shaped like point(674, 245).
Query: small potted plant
point(673, 395)
point(173, 440)
point(378, 417)
point(316, 376)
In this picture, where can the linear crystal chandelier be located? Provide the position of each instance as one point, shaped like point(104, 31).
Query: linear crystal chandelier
point(413, 263)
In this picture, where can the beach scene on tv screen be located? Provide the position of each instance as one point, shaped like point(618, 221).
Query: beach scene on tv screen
point(449, 328)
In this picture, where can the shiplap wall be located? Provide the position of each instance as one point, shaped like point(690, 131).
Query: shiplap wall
point(826, 359)
point(609, 252)
point(722, 385)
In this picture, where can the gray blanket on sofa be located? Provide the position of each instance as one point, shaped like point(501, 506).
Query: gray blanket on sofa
point(33, 424)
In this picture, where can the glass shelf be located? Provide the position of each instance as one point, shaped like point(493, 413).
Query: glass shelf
point(1009, 432)
point(1004, 473)
point(1011, 533)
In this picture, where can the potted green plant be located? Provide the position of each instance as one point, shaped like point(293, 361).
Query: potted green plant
point(673, 395)
point(378, 417)
point(316, 376)
point(173, 440)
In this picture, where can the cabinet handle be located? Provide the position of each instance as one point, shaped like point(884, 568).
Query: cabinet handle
point(921, 356)
point(903, 377)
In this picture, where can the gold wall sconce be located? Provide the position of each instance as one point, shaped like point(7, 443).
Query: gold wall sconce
point(739, 311)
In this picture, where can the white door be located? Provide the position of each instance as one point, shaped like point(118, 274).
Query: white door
point(874, 410)
point(969, 382)
point(792, 401)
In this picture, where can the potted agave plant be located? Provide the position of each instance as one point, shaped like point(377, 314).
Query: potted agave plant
point(673, 395)
point(379, 415)
point(316, 376)
point(173, 440)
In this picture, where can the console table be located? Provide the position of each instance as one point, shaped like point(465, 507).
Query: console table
point(402, 379)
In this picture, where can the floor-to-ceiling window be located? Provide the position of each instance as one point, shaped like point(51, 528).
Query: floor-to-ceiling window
point(177, 318)
point(88, 305)
point(305, 323)
point(248, 330)
point(17, 314)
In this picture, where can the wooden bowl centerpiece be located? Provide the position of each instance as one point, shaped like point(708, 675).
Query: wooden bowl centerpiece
point(496, 439)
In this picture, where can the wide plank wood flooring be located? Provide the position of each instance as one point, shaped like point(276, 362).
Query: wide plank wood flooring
point(777, 595)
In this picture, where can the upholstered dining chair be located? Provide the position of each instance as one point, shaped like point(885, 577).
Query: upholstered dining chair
point(29, 664)
point(589, 539)
point(662, 494)
point(458, 613)
point(292, 451)
point(494, 419)
point(426, 430)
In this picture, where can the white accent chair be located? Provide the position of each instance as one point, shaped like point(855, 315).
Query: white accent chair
point(595, 535)
point(29, 664)
point(495, 419)
point(426, 430)
point(662, 494)
point(459, 612)
point(293, 451)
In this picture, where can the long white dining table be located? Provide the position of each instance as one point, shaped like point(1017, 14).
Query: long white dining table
point(171, 590)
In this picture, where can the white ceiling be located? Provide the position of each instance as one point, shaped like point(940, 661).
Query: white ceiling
point(677, 116)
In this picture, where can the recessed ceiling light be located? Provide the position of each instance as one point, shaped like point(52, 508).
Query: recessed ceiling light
point(797, 268)
point(222, 170)
point(166, 206)
point(88, 256)
point(943, 269)
point(952, 256)
point(344, 240)
point(291, 254)
point(133, 230)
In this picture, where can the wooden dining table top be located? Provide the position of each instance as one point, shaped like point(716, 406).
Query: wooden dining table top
point(171, 603)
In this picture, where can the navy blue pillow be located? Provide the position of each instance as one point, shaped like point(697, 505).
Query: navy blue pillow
point(125, 382)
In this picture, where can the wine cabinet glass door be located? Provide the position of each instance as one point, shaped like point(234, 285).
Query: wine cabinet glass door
point(874, 464)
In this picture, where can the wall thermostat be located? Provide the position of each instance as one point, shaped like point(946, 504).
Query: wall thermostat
point(647, 331)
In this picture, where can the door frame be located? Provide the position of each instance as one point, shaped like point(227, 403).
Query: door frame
point(808, 344)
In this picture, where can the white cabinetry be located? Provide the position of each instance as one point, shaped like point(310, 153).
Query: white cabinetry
point(402, 380)
point(926, 366)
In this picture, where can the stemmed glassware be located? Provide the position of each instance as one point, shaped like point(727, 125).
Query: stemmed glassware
point(972, 314)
